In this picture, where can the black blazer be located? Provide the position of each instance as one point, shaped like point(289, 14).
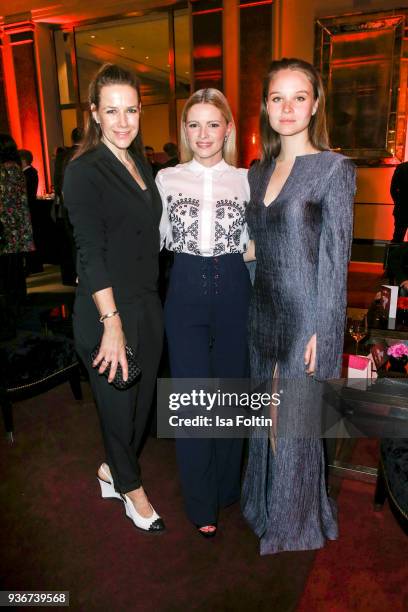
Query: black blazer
point(399, 190)
point(116, 225)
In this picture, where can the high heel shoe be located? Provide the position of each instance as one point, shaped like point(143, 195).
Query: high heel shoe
point(152, 524)
point(106, 483)
point(207, 534)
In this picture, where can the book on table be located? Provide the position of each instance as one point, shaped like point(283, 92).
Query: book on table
point(379, 354)
point(389, 298)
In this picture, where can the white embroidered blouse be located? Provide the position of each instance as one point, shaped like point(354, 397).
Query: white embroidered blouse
point(204, 208)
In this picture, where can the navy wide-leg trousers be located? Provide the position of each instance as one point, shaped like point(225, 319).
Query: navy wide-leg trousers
point(206, 314)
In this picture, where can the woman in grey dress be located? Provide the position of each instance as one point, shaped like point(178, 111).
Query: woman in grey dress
point(300, 216)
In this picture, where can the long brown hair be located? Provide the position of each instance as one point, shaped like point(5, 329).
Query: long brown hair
point(217, 99)
point(108, 74)
point(318, 136)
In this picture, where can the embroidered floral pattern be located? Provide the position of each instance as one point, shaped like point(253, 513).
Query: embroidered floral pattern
point(229, 231)
point(229, 225)
point(184, 234)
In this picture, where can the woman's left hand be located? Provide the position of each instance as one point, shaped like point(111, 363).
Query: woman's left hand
point(310, 355)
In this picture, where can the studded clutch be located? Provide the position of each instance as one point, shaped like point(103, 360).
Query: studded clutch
point(134, 369)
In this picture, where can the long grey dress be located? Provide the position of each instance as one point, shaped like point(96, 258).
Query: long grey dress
point(303, 241)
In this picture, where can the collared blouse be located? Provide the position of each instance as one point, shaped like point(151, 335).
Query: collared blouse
point(204, 208)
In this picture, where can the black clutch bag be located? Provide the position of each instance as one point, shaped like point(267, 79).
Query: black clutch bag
point(134, 369)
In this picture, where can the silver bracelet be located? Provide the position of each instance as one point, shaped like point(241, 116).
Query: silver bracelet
point(108, 315)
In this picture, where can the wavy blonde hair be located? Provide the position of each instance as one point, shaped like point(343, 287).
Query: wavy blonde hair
point(217, 99)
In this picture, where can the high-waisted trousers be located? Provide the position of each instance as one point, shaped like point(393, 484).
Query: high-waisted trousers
point(123, 414)
point(206, 314)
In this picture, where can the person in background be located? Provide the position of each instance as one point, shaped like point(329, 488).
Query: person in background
point(67, 248)
point(115, 210)
point(149, 152)
point(397, 268)
point(62, 157)
point(30, 175)
point(58, 175)
point(16, 235)
point(33, 261)
point(399, 193)
point(77, 135)
point(172, 153)
point(206, 308)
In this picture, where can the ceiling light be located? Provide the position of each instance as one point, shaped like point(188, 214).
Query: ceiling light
point(92, 35)
point(147, 57)
point(122, 48)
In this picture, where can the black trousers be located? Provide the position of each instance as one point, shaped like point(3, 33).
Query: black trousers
point(123, 414)
point(206, 314)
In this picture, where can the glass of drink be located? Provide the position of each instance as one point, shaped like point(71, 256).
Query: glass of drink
point(358, 329)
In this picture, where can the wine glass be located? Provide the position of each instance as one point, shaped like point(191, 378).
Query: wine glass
point(358, 329)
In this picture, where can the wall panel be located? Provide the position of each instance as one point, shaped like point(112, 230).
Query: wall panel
point(207, 44)
point(4, 124)
point(255, 57)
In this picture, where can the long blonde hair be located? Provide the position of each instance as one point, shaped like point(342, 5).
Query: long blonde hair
point(217, 99)
point(318, 136)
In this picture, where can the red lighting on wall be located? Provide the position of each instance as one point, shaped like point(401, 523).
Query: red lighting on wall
point(251, 146)
point(21, 42)
point(18, 27)
point(259, 3)
point(210, 75)
point(355, 37)
point(11, 95)
point(207, 51)
point(207, 11)
point(359, 60)
point(23, 104)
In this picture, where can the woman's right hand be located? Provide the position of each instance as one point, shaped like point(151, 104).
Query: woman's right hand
point(249, 254)
point(112, 349)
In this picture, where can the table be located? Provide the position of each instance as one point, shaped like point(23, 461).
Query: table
point(359, 401)
point(381, 411)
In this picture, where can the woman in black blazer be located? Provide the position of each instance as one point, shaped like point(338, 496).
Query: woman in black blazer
point(115, 211)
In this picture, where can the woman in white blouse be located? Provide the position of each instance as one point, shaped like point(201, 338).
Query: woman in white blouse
point(206, 309)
